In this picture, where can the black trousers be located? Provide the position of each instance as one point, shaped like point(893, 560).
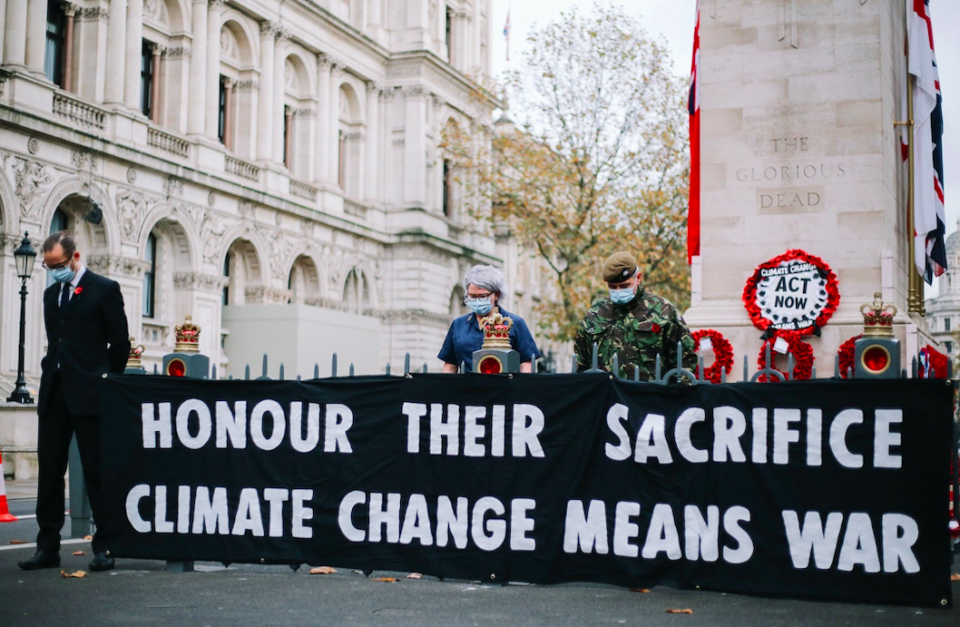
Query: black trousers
point(56, 427)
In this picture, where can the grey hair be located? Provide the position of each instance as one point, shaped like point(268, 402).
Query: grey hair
point(488, 278)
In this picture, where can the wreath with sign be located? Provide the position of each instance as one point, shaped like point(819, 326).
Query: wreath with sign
point(795, 292)
point(802, 357)
point(845, 355)
point(722, 352)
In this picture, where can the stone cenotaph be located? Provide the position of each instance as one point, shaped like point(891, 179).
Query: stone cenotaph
point(800, 150)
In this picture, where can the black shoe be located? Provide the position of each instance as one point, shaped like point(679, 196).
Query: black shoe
point(101, 562)
point(41, 559)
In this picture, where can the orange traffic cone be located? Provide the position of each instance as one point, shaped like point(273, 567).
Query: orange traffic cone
point(5, 515)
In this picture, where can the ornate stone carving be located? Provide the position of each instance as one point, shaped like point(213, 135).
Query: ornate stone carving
point(33, 179)
point(211, 228)
point(173, 186)
point(180, 52)
point(268, 28)
point(131, 175)
point(111, 266)
point(95, 13)
point(245, 209)
point(133, 206)
point(156, 11)
point(83, 160)
point(247, 85)
point(198, 281)
point(33, 145)
point(266, 295)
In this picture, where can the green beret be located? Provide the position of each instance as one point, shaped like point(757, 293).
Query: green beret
point(619, 267)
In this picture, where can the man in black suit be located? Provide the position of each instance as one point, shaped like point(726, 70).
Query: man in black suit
point(86, 338)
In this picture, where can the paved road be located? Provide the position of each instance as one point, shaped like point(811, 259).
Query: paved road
point(143, 593)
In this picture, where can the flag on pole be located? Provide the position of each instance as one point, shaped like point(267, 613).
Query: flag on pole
point(929, 217)
point(693, 106)
point(506, 33)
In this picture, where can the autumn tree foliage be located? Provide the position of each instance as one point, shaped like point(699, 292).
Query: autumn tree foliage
point(599, 165)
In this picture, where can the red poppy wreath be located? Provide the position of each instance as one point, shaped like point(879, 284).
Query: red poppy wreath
point(802, 357)
point(722, 352)
point(795, 292)
point(845, 355)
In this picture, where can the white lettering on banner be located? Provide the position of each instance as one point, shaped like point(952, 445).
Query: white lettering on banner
point(265, 426)
point(898, 534)
point(210, 512)
point(487, 523)
point(444, 428)
point(796, 434)
point(587, 532)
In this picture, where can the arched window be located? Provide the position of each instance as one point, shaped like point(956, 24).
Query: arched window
point(226, 274)
point(149, 277)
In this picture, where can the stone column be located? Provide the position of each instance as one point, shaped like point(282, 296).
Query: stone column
point(333, 121)
point(414, 147)
point(197, 93)
point(228, 114)
point(215, 12)
point(279, 86)
point(116, 45)
point(322, 137)
point(15, 33)
point(370, 190)
point(70, 10)
point(155, 85)
point(265, 119)
point(131, 80)
point(288, 138)
point(36, 35)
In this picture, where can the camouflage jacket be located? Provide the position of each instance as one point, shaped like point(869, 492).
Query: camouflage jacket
point(636, 331)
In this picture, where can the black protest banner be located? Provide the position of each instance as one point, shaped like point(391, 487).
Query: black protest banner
point(830, 489)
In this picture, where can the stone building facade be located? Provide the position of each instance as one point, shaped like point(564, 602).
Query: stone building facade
point(270, 168)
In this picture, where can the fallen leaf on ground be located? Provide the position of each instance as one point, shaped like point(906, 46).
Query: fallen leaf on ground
point(88, 537)
point(18, 542)
point(386, 579)
point(322, 570)
point(78, 575)
point(955, 577)
point(414, 576)
point(643, 590)
point(79, 552)
point(684, 611)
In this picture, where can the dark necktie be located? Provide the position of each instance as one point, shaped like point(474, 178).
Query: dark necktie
point(64, 295)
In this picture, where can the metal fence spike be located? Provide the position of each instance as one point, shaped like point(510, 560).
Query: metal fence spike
point(813, 372)
point(155, 369)
point(316, 371)
point(333, 366)
point(264, 365)
point(700, 368)
point(463, 367)
point(723, 375)
point(594, 359)
point(351, 369)
point(424, 367)
point(615, 365)
point(246, 372)
point(406, 364)
point(916, 368)
point(534, 366)
point(836, 366)
point(656, 369)
point(388, 368)
point(230, 378)
point(850, 373)
point(746, 370)
point(574, 366)
point(298, 378)
point(281, 371)
point(790, 367)
point(213, 372)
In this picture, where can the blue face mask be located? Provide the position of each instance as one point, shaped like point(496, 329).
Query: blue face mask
point(622, 296)
point(63, 275)
point(480, 307)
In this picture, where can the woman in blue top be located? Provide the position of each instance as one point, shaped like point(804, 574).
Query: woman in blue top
point(485, 287)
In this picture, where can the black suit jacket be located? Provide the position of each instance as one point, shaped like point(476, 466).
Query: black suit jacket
point(87, 338)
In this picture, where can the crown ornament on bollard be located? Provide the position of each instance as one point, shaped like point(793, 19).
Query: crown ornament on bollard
point(188, 336)
point(878, 317)
point(136, 351)
point(496, 331)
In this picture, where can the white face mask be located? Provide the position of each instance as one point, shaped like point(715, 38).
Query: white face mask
point(622, 295)
point(481, 307)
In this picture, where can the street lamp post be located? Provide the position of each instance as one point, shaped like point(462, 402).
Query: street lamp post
point(25, 256)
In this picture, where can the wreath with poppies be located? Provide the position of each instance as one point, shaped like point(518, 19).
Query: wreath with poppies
point(845, 355)
point(722, 351)
point(802, 357)
point(820, 291)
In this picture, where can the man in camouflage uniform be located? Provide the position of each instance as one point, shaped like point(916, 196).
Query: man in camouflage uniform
point(633, 324)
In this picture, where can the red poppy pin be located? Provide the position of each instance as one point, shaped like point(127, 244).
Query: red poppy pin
point(655, 328)
point(77, 291)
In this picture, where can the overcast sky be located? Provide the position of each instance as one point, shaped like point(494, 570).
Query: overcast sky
point(674, 20)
